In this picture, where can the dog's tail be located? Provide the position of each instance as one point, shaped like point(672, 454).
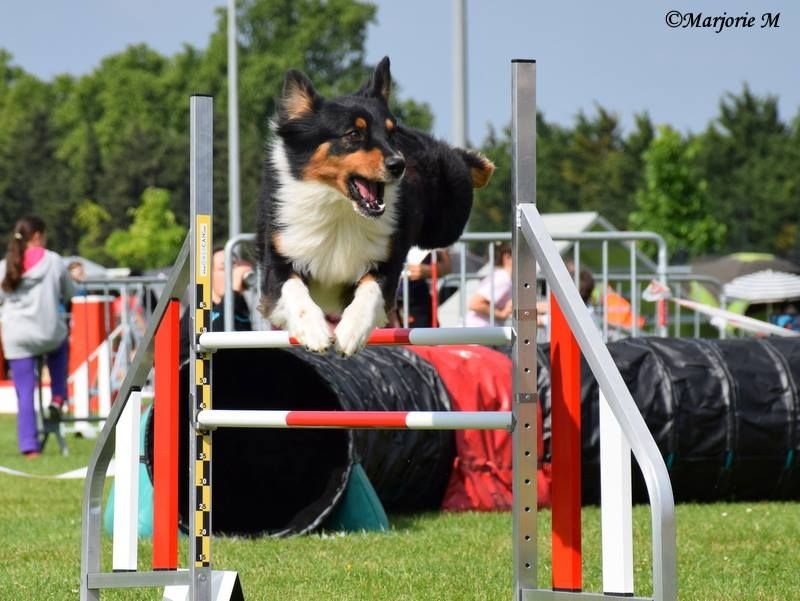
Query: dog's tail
point(480, 167)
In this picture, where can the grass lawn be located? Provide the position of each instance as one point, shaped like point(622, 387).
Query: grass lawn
point(746, 551)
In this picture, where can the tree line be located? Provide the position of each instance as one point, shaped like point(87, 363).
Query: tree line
point(733, 187)
point(104, 156)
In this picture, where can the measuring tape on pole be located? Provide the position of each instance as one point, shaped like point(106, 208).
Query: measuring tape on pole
point(202, 394)
point(200, 455)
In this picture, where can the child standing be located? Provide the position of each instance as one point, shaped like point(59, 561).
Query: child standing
point(34, 288)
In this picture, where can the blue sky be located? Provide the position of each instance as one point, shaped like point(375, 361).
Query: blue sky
point(618, 53)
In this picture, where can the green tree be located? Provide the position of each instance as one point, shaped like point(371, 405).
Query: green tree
point(590, 167)
point(92, 219)
point(119, 133)
point(13, 204)
point(752, 164)
point(674, 199)
point(31, 179)
point(597, 168)
point(491, 208)
point(154, 237)
point(554, 193)
point(111, 134)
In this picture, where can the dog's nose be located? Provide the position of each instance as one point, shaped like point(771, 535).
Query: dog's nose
point(395, 165)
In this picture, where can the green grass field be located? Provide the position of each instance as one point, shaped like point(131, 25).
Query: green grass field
point(746, 551)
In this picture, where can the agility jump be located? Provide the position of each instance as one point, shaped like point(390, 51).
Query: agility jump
point(212, 341)
point(531, 243)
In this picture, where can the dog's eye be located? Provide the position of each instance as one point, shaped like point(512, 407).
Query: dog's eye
point(355, 136)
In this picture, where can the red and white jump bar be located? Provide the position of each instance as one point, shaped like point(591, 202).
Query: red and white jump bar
point(211, 341)
point(402, 420)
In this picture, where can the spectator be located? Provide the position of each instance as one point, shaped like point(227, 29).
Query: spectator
point(499, 281)
point(78, 275)
point(789, 317)
point(34, 288)
point(585, 290)
point(420, 301)
point(241, 310)
point(585, 284)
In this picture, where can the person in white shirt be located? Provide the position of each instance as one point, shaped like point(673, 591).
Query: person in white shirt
point(497, 283)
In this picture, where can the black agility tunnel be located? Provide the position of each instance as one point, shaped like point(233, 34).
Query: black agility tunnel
point(286, 481)
point(724, 413)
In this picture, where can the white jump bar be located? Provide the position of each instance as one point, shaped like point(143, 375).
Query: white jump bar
point(211, 341)
point(408, 420)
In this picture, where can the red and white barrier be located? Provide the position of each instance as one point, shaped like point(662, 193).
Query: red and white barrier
point(404, 420)
point(89, 359)
point(211, 341)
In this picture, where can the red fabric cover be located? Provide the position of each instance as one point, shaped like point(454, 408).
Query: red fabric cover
point(479, 379)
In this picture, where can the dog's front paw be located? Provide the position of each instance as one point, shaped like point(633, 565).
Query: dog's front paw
point(352, 333)
point(311, 329)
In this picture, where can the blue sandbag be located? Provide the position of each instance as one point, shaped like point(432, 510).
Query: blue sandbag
point(359, 508)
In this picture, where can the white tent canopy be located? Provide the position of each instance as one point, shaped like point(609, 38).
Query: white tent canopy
point(764, 287)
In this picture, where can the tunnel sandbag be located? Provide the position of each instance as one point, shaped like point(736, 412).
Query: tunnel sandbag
point(359, 509)
point(287, 481)
point(724, 414)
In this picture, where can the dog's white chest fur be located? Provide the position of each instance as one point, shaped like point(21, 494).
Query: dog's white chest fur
point(321, 233)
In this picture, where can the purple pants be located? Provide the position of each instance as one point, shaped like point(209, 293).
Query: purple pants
point(23, 372)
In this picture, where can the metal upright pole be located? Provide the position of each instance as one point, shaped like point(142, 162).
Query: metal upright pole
point(459, 137)
point(234, 220)
point(201, 200)
point(523, 177)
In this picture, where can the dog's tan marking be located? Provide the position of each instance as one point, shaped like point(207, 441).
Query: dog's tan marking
point(389, 125)
point(297, 102)
point(334, 170)
point(361, 123)
point(277, 242)
point(481, 174)
point(366, 163)
point(368, 277)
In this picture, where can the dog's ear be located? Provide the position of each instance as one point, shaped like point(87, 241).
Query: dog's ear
point(298, 98)
point(380, 82)
point(480, 167)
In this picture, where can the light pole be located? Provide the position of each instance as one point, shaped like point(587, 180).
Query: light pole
point(459, 135)
point(234, 220)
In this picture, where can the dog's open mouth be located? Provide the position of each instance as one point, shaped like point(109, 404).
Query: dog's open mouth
point(367, 196)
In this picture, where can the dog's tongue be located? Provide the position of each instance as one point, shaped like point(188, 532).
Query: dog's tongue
point(368, 190)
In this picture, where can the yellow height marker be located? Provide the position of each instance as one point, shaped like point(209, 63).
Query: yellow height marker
point(202, 459)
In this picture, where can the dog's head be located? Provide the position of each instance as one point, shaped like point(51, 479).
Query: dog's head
point(345, 142)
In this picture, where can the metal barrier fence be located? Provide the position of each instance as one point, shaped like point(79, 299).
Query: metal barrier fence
point(627, 284)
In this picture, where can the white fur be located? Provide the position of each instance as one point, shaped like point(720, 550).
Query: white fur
point(297, 313)
point(359, 318)
point(322, 234)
